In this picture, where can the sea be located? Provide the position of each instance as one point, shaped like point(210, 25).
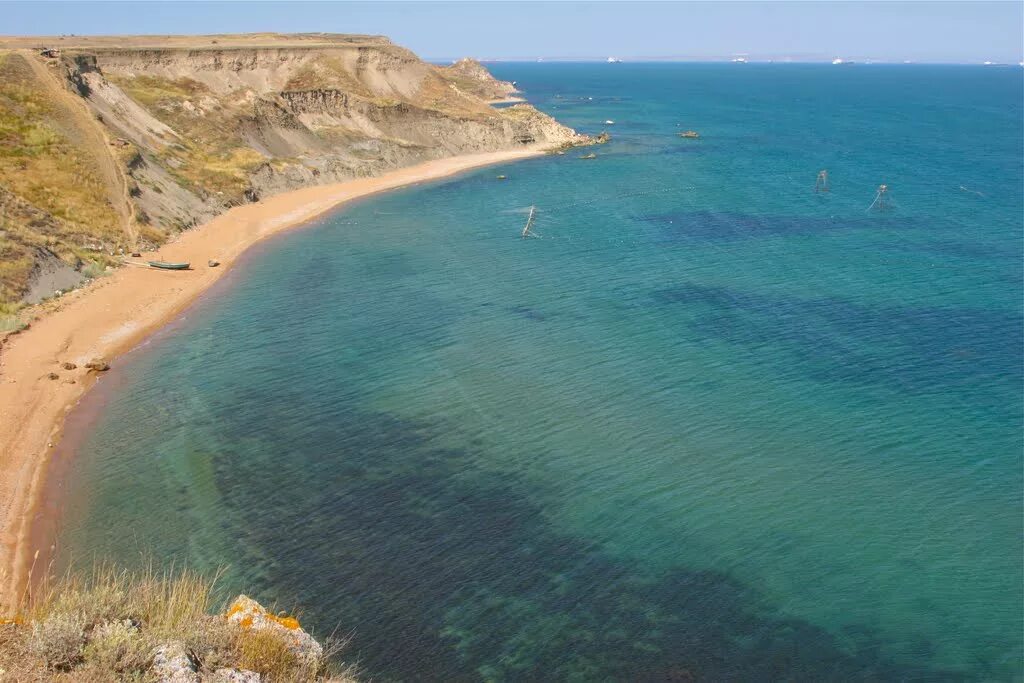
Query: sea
point(705, 423)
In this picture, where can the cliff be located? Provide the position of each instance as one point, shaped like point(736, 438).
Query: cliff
point(470, 76)
point(111, 144)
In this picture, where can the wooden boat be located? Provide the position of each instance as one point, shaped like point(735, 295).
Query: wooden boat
point(169, 266)
point(692, 134)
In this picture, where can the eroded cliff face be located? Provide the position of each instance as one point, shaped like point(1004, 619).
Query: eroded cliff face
point(198, 125)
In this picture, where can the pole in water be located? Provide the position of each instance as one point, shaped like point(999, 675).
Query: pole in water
point(529, 222)
point(881, 199)
point(821, 184)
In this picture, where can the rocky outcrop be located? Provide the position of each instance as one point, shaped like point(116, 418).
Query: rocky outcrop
point(172, 664)
point(473, 78)
point(250, 614)
point(234, 676)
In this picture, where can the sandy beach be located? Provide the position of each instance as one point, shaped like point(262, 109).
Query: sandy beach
point(114, 313)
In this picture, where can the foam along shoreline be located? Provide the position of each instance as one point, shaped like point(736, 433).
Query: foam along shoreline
point(507, 100)
point(115, 313)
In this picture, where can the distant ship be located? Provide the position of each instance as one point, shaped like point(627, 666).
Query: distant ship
point(739, 60)
point(837, 60)
point(614, 60)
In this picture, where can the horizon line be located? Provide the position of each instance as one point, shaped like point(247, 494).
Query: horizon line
point(729, 60)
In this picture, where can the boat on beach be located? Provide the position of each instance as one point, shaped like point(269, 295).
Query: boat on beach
point(165, 265)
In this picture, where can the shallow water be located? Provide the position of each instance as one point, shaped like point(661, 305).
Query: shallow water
point(711, 425)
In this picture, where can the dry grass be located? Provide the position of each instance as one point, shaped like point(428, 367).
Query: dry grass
point(151, 91)
point(263, 651)
point(40, 163)
point(16, 263)
point(327, 72)
point(106, 625)
point(210, 157)
point(46, 166)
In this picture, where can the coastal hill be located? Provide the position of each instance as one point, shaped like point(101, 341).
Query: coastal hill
point(470, 76)
point(110, 145)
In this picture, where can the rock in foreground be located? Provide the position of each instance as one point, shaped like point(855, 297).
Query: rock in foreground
point(250, 614)
point(119, 626)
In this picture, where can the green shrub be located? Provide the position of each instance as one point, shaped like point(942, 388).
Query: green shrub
point(57, 641)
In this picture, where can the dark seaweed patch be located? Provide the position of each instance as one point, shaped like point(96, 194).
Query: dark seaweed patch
point(671, 147)
point(961, 249)
point(912, 349)
point(447, 572)
point(728, 225)
point(528, 313)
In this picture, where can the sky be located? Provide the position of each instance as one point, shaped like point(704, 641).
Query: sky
point(965, 31)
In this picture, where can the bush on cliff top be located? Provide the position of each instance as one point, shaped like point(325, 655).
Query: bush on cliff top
point(115, 625)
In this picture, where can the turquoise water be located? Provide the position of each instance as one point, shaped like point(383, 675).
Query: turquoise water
point(710, 426)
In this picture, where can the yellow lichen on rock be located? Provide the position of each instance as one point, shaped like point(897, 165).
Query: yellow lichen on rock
point(290, 623)
point(250, 614)
point(250, 607)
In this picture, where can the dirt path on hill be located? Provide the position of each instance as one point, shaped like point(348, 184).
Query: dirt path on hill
point(80, 125)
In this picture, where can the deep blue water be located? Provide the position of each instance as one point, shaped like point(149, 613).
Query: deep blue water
point(711, 425)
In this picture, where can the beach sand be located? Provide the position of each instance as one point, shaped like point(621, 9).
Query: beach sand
point(113, 314)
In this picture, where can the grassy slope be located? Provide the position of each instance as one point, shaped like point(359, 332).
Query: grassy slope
point(47, 163)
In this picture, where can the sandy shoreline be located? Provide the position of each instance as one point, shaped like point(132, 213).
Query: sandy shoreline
point(115, 313)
